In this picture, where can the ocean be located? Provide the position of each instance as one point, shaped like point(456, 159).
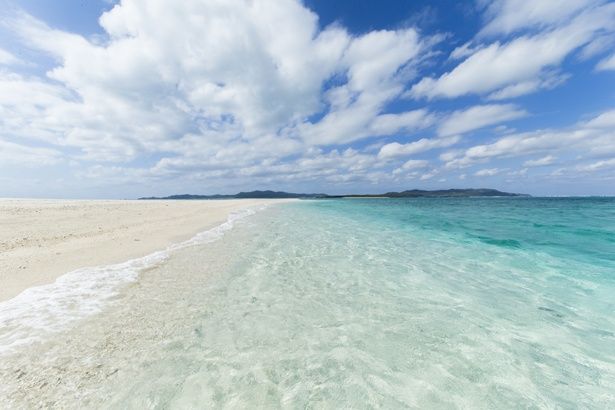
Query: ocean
point(350, 303)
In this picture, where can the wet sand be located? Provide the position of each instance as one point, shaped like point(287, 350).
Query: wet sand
point(42, 239)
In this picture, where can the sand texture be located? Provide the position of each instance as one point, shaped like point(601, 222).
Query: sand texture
point(42, 239)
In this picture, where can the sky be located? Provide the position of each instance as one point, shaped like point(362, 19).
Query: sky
point(122, 99)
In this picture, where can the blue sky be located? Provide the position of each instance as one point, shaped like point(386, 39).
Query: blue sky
point(102, 99)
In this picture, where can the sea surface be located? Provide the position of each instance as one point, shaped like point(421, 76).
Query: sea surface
point(470, 303)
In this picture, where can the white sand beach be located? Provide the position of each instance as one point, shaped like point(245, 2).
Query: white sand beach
point(42, 239)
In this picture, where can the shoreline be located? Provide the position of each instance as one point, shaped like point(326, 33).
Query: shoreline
point(42, 239)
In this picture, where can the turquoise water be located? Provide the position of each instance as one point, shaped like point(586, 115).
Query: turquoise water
point(375, 303)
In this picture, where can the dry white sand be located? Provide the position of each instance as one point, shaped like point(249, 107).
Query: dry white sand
point(42, 239)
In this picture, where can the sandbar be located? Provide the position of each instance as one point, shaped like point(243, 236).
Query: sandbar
point(42, 239)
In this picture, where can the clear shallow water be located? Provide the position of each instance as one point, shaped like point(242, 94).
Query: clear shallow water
point(467, 303)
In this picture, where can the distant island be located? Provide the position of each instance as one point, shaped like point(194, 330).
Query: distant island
point(414, 193)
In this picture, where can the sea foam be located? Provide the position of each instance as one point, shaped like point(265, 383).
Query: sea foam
point(45, 309)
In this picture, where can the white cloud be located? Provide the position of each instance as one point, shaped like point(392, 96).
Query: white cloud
point(462, 51)
point(377, 64)
point(595, 137)
point(429, 175)
point(411, 168)
point(7, 58)
point(524, 63)
point(507, 16)
point(597, 46)
point(28, 156)
point(208, 86)
point(606, 64)
point(597, 166)
point(253, 90)
point(524, 144)
point(547, 81)
point(519, 173)
point(387, 124)
point(200, 70)
point(605, 120)
point(540, 162)
point(396, 149)
point(477, 117)
point(488, 172)
point(414, 164)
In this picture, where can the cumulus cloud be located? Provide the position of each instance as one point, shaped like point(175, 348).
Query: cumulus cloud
point(414, 164)
point(605, 120)
point(196, 77)
point(396, 149)
point(540, 162)
point(218, 92)
point(429, 175)
point(412, 168)
point(488, 172)
point(387, 124)
point(208, 88)
point(595, 137)
point(597, 166)
point(376, 63)
point(477, 117)
point(224, 91)
point(521, 65)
